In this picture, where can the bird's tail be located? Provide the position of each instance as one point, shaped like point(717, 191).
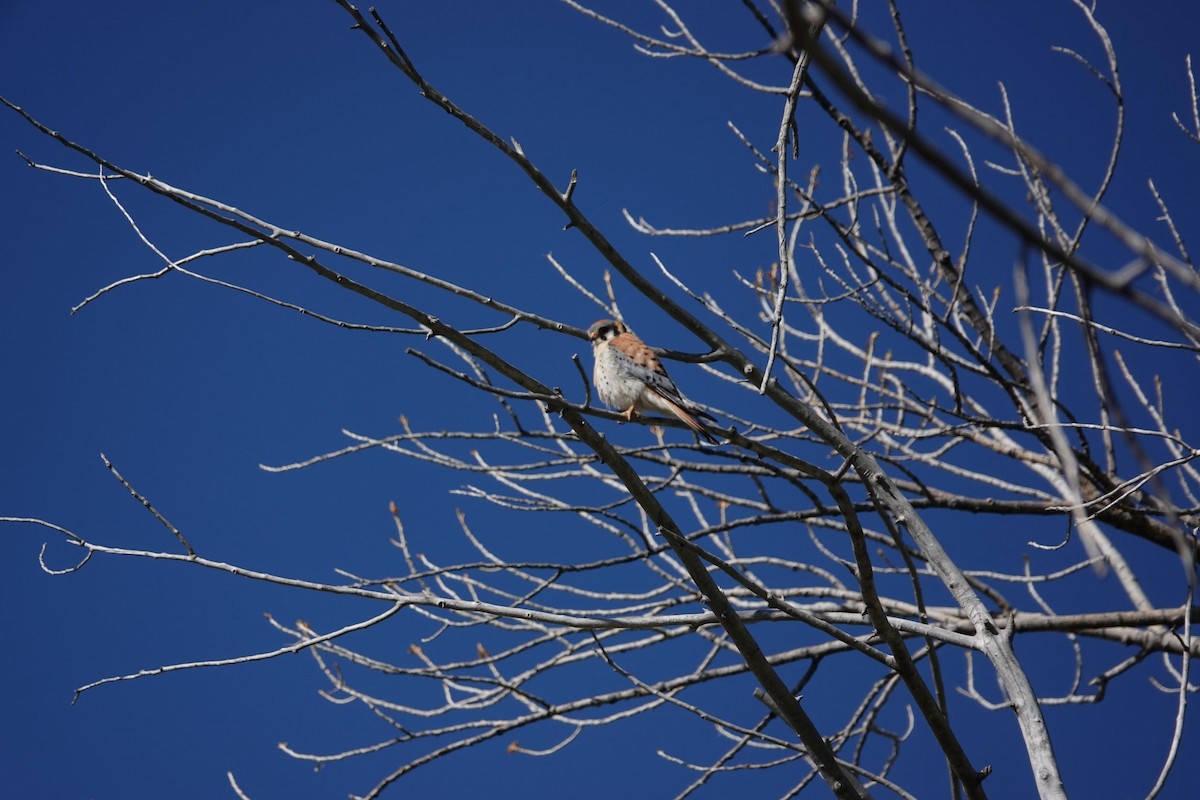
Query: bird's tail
point(689, 418)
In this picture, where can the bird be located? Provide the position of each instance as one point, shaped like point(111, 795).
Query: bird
point(630, 378)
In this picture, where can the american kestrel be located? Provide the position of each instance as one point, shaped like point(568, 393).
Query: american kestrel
point(630, 378)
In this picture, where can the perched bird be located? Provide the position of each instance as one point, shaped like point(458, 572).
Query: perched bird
point(629, 377)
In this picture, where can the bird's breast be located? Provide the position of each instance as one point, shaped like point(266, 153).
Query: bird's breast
point(616, 384)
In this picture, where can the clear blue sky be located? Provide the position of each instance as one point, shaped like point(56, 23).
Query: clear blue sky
point(280, 109)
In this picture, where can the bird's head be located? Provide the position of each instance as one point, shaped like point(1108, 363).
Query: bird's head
point(605, 329)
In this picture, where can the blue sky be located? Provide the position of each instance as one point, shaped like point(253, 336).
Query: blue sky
point(281, 110)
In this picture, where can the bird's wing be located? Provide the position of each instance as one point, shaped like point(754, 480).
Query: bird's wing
point(643, 364)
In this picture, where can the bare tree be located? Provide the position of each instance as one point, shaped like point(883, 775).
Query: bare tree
point(889, 374)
